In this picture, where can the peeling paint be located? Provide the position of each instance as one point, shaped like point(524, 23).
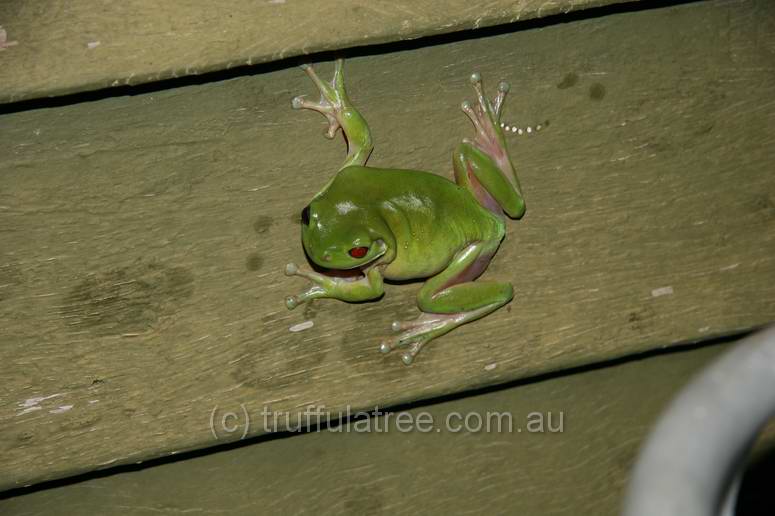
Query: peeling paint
point(37, 399)
point(33, 404)
point(4, 43)
point(302, 326)
point(29, 409)
point(662, 291)
point(60, 409)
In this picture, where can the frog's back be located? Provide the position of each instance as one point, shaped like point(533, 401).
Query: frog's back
point(432, 212)
point(382, 183)
point(414, 190)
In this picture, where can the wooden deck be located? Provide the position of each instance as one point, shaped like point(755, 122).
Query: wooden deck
point(143, 238)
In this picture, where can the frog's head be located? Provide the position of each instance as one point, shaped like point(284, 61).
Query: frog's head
point(341, 235)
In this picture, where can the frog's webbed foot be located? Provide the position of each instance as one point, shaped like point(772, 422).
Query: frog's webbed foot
point(336, 106)
point(485, 116)
point(331, 96)
point(482, 164)
point(311, 293)
point(414, 334)
point(361, 287)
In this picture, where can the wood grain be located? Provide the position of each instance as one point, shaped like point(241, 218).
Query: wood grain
point(603, 416)
point(66, 46)
point(143, 238)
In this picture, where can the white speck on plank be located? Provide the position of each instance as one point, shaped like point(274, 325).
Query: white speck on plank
point(92, 45)
point(4, 43)
point(29, 409)
point(60, 409)
point(36, 400)
point(302, 326)
point(730, 267)
point(33, 404)
point(662, 291)
point(490, 367)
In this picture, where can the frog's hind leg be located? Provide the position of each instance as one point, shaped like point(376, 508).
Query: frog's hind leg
point(482, 165)
point(336, 106)
point(451, 298)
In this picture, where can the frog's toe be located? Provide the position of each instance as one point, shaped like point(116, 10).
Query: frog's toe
point(323, 107)
point(291, 269)
point(407, 357)
point(413, 341)
point(504, 87)
point(333, 127)
point(475, 78)
point(389, 344)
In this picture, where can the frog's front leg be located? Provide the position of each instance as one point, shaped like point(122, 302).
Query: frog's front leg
point(370, 286)
point(336, 106)
point(451, 298)
point(482, 165)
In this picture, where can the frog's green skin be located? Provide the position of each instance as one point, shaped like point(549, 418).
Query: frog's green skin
point(404, 224)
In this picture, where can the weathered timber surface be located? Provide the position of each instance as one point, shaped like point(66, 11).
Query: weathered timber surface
point(65, 46)
point(143, 238)
point(380, 467)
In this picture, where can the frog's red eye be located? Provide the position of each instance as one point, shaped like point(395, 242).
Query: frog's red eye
point(358, 252)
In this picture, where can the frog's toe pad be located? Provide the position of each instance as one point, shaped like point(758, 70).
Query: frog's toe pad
point(291, 302)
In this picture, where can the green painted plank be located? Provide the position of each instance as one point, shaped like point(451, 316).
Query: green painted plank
point(144, 238)
point(579, 465)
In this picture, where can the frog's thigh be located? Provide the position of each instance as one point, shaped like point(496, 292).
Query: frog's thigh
point(479, 173)
point(453, 289)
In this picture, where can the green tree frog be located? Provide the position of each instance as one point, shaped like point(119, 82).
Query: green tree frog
point(389, 224)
